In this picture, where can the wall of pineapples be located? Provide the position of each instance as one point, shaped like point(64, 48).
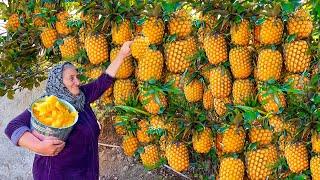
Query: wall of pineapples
point(215, 89)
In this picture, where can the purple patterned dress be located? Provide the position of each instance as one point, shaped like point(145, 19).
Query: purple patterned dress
point(79, 158)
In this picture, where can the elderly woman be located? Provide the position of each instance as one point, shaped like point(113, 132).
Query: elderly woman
point(77, 158)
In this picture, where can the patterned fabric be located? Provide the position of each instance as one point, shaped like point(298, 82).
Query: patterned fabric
point(56, 87)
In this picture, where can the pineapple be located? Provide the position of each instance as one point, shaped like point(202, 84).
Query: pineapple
point(209, 21)
point(276, 122)
point(296, 56)
point(193, 91)
point(120, 129)
point(260, 135)
point(259, 162)
point(205, 71)
point(69, 49)
point(106, 96)
point(177, 78)
point(208, 100)
point(94, 72)
point(157, 122)
point(315, 167)
point(298, 81)
point(220, 105)
point(215, 47)
point(220, 82)
point(272, 102)
point(121, 32)
point(48, 37)
point(271, 31)
point(97, 48)
point(178, 54)
point(231, 169)
point(202, 141)
point(178, 156)
point(240, 33)
point(297, 157)
point(130, 145)
point(242, 91)
point(269, 65)
point(122, 90)
point(142, 134)
point(62, 28)
point(150, 157)
point(315, 141)
point(151, 104)
point(240, 62)
point(233, 140)
point(126, 68)
point(287, 138)
point(153, 29)
point(63, 15)
point(139, 47)
point(13, 22)
point(180, 24)
point(150, 66)
point(300, 24)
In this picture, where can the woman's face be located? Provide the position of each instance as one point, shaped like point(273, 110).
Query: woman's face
point(71, 81)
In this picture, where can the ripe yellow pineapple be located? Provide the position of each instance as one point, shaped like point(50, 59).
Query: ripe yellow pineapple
point(296, 56)
point(271, 31)
point(13, 22)
point(297, 157)
point(62, 27)
point(139, 47)
point(209, 21)
point(315, 167)
point(48, 37)
point(151, 104)
point(150, 157)
point(240, 62)
point(315, 141)
point(142, 134)
point(37, 20)
point(208, 100)
point(153, 29)
point(272, 102)
point(215, 47)
point(287, 138)
point(220, 82)
point(178, 156)
point(259, 162)
point(122, 90)
point(157, 122)
point(120, 129)
point(240, 33)
point(298, 81)
point(121, 32)
point(180, 24)
point(233, 140)
point(178, 54)
point(260, 135)
point(276, 122)
point(69, 49)
point(97, 48)
point(231, 168)
point(129, 145)
point(193, 91)
point(220, 105)
point(106, 96)
point(94, 72)
point(126, 68)
point(269, 65)
point(202, 141)
point(242, 91)
point(300, 24)
point(62, 15)
point(176, 78)
point(150, 66)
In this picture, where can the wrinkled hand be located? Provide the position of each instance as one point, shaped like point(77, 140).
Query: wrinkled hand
point(125, 50)
point(49, 146)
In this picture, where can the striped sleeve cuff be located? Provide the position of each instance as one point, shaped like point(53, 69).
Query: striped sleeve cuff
point(16, 135)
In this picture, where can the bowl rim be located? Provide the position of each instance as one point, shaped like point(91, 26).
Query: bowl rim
point(70, 107)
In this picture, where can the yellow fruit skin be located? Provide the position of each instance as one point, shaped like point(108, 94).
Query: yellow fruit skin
point(153, 29)
point(151, 105)
point(121, 32)
point(94, 73)
point(62, 28)
point(233, 140)
point(300, 24)
point(271, 31)
point(139, 47)
point(48, 37)
point(231, 169)
point(276, 122)
point(315, 140)
point(142, 134)
point(193, 91)
point(260, 136)
point(180, 24)
point(240, 62)
point(242, 91)
point(130, 145)
point(178, 54)
point(315, 167)
point(259, 162)
point(126, 69)
point(220, 105)
point(209, 21)
point(297, 157)
point(150, 66)
point(97, 48)
point(272, 102)
point(202, 142)
point(176, 78)
point(120, 129)
point(150, 156)
point(297, 81)
point(178, 156)
point(240, 33)
point(215, 47)
point(296, 56)
point(69, 48)
point(220, 82)
point(269, 65)
point(122, 90)
point(207, 100)
point(13, 22)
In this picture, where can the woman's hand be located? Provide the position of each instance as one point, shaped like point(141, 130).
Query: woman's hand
point(125, 50)
point(48, 146)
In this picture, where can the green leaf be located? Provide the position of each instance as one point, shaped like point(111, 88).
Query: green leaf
point(260, 21)
point(291, 38)
point(288, 7)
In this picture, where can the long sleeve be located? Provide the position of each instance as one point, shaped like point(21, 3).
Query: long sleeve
point(95, 89)
point(18, 126)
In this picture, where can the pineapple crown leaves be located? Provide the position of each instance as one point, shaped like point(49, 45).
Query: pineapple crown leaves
point(280, 167)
